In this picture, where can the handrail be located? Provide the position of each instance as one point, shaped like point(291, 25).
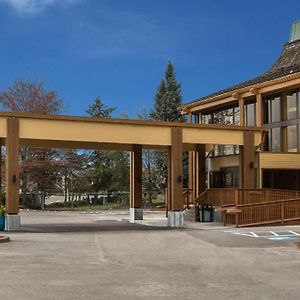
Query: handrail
point(196, 201)
point(270, 202)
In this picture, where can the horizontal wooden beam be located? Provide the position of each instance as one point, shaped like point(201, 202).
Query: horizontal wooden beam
point(88, 133)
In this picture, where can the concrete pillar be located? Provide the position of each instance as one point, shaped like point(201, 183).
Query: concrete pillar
point(247, 165)
point(175, 213)
point(136, 188)
point(12, 174)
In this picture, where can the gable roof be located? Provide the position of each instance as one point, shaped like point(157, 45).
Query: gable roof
point(288, 63)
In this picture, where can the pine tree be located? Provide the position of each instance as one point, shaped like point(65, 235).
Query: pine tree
point(168, 97)
point(110, 169)
point(99, 110)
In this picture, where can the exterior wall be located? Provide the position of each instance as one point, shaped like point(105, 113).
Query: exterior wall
point(277, 161)
point(223, 162)
point(272, 160)
point(265, 160)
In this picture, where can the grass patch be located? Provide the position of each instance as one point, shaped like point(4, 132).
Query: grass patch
point(108, 206)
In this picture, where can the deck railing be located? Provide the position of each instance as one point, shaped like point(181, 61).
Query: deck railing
point(249, 207)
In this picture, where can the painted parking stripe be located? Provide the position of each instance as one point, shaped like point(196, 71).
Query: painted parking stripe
point(295, 233)
point(271, 235)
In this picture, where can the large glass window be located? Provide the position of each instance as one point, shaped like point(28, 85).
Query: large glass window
point(292, 106)
point(229, 116)
point(272, 110)
point(206, 119)
point(292, 136)
point(250, 114)
point(275, 139)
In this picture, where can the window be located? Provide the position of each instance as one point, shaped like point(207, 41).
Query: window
point(229, 116)
point(292, 109)
point(206, 119)
point(250, 114)
point(292, 136)
point(275, 139)
point(272, 110)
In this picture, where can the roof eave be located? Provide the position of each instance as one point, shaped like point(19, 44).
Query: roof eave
point(235, 93)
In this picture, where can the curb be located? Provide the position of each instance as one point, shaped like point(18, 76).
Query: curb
point(4, 239)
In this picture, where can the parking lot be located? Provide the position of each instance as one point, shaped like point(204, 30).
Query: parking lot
point(72, 255)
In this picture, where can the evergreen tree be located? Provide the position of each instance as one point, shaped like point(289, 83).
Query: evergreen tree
point(99, 110)
point(168, 97)
point(109, 169)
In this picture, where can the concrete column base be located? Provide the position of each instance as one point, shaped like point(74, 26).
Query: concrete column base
point(136, 214)
point(175, 219)
point(12, 223)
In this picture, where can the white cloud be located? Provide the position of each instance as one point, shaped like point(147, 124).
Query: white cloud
point(28, 7)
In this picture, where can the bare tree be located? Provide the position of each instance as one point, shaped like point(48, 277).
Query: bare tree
point(32, 97)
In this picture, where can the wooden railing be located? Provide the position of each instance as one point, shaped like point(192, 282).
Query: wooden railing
point(279, 211)
point(187, 199)
point(249, 207)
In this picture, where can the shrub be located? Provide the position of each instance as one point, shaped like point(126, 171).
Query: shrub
point(2, 211)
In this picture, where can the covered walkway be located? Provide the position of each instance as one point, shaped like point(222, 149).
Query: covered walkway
point(30, 130)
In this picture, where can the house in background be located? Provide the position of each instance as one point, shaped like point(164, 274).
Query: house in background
point(272, 101)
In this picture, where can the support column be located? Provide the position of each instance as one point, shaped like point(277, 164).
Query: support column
point(247, 157)
point(136, 189)
point(259, 116)
point(242, 114)
point(12, 176)
point(200, 169)
point(1, 172)
point(175, 214)
point(191, 169)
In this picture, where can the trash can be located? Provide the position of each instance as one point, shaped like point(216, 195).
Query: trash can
point(206, 213)
point(197, 213)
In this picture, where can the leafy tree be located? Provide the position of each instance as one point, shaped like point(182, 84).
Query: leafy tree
point(30, 97)
point(151, 180)
point(38, 169)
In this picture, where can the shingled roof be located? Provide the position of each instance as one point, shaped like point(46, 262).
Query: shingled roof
point(288, 63)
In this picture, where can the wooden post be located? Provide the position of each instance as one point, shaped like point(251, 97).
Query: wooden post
point(176, 169)
point(12, 166)
point(259, 115)
point(247, 156)
point(242, 115)
point(169, 196)
point(282, 212)
point(136, 192)
point(200, 169)
point(0, 172)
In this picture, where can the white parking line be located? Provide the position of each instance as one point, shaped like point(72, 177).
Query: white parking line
point(295, 233)
point(272, 235)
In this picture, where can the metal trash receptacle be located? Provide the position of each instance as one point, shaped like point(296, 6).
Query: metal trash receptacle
point(206, 213)
point(197, 213)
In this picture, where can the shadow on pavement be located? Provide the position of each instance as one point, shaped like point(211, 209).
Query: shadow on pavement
point(100, 226)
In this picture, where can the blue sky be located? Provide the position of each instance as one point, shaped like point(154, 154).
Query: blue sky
point(118, 49)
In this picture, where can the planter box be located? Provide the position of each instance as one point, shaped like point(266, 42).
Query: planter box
point(2, 223)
